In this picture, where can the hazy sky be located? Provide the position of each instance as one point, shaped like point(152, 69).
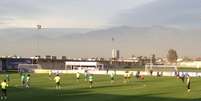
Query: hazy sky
point(63, 13)
point(99, 13)
point(92, 23)
point(175, 13)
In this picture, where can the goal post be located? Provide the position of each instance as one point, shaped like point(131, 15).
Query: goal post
point(28, 67)
point(160, 68)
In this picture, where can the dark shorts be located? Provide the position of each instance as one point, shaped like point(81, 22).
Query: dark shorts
point(90, 82)
point(112, 78)
point(182, 78)
point(78, 78)
point(58, 83)
point(27, 82)
point(23, 82)
point(3, 92)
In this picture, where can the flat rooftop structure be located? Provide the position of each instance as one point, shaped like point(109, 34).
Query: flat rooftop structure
point(84, 65)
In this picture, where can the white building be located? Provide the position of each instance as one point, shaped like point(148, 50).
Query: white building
point(192, 64)
point(115, 54)
point(83, 65)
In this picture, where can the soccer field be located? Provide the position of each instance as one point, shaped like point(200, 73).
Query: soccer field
point(149, 89)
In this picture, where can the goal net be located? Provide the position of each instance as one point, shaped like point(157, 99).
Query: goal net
point(28, 67)
point(160, 68)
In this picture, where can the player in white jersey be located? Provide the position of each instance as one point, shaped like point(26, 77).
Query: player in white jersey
point(28, 81)
point(112, 77)
point(91, 80)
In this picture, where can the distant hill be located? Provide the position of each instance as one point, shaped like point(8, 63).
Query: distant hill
point(90, 42)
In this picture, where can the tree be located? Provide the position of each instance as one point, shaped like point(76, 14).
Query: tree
point(172, 56)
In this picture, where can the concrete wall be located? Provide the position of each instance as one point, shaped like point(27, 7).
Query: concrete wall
point(191, 64)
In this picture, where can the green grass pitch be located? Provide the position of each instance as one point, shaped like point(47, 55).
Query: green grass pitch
point(149, 89)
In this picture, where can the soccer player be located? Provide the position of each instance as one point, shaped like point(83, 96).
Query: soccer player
point(107, 70)
point(28, 81)
point(142, 77)
point(182, 77)
point(57, 80)
point(151, 72)
point(50, 74)
point(129, 75)
point(137, 75)
point(85, 75)
point(23, 80)
point(91, 80)
point(4, 85)
point(125, 77)
point(188, 83)
point(78, 76)
point(112, 77)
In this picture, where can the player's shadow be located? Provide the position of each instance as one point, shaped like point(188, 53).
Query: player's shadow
point(85, 94)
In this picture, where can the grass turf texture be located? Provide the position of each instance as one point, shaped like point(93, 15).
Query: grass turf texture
point(149, 89)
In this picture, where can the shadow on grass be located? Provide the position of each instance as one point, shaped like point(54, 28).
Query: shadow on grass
point(83, 94)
